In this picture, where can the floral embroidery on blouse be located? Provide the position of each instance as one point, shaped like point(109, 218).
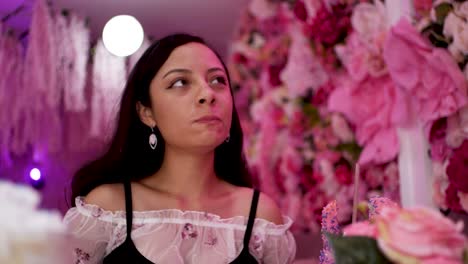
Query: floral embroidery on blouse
point(81, 256)
point(209, 216)
point(257, 243)
point(97, 213)
point(188, 231)
point(211, 240)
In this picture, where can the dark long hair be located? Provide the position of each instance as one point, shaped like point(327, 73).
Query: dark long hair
point(129, 156)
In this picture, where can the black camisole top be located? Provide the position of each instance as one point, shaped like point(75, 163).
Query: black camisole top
point(128, 253)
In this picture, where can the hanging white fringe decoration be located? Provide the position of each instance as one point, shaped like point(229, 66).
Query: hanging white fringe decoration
point(109, 75)
point(73, 49)
point(11, 66)
point(42, 94)
point(41, 56)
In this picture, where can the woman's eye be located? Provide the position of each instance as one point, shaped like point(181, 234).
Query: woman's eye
point(220, 79)
point(179, 83)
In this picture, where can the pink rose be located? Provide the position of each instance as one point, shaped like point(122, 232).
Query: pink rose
point(439, 149)
point(360, 58)
point(361, 229)
point(442, 260)
point(290, 165)
point(274, 74)
point(423, 5)
point(306, 10)
point(419, 234)
point(431, 81)
point(463, 200)
point(440, 183)
point(452, 199)
point(466, 71)
point(457, 128)
point(343, 175)
point(303, 72)
point(392, 182)
point(373, 176)
point(330, 24)
point(457, 169)
point(370, 105)
point(329, 185)
point(310, 179)
point(297, 123)
point(313, 202)
point(321, 95)
point(300, 11)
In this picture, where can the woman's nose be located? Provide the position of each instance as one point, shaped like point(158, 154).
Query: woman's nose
point(207, 95)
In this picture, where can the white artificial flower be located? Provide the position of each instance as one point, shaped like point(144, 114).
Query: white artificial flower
point(341, 129)
point(262, 9)
point(462, 9)
point(457, 29)
point(27, 234)
point(369, 20)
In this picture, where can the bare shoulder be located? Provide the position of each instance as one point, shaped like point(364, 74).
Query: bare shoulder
point(267, 208)
point(109, 197)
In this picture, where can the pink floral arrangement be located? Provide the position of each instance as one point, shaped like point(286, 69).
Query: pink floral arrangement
point(394, 235)
point(284, 69)
point(322, 85)
point(446, 28)
point(326, 24)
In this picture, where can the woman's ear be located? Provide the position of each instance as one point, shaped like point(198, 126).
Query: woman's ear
point(145, 114)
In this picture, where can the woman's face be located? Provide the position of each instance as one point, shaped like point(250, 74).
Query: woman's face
point(191, 99)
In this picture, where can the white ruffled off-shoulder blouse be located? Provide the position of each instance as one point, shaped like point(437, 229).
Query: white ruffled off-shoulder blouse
point(175, 236)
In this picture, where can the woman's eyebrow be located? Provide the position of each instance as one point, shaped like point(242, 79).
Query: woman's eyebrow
point(175, 71)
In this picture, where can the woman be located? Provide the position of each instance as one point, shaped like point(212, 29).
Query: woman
point(174, 173)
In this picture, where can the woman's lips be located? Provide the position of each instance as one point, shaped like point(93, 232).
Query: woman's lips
point(208, 119)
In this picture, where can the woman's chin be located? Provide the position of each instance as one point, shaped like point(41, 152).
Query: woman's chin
point(208, 144)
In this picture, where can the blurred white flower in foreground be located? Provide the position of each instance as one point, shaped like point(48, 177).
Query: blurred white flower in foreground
point(28, 234)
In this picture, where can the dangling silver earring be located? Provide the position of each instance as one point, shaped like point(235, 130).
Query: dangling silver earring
point(153, 140)
point(228, 138)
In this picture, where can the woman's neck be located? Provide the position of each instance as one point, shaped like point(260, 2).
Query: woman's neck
point(183, 174)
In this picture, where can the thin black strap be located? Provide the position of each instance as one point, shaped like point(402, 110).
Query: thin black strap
point(128, 207)
point(252, 215)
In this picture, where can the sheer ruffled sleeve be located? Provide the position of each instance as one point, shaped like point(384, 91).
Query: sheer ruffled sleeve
point(274, 244)
point(172, 236)
point(92, 229)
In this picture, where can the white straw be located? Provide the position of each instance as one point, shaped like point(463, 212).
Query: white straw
point(356, 188)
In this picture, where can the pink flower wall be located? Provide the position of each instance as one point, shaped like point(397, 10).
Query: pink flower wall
point(324, 85)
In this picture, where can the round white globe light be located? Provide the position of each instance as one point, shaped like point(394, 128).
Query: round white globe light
point(35, 174)
point(122, 35)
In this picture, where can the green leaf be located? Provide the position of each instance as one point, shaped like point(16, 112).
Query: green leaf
point(351, 147)
point(465, 256)
point(442, 11)
point(356, 250)
point(312, 113)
